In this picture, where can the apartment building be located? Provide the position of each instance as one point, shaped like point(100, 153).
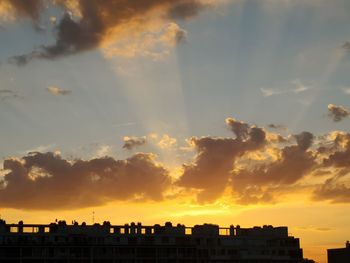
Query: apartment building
point(61, 242)
point(339, 255)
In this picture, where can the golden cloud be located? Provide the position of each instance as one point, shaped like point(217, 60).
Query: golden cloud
point(122, 28)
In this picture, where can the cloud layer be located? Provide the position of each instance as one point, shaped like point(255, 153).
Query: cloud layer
point(251, 166)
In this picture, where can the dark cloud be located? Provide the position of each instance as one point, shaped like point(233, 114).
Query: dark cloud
point(180, 36)
point(336, 188)
point(332, 142)
point(185, 9)
point(98, 18)
point(21, 60)
point(211, 170)
point(334, 191)
point(341, 157)
point(256, 137)
point(131, 142)
point(6, 91)
point(337, 113)
point(239, 128)
point(346, 46)
point(47, 181)
point(292, 166)
point(277, 126)
point(304, 140)
point(244, 131)
point(255, 195)
point(255, 184)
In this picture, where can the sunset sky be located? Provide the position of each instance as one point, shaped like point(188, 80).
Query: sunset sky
point(190, 111)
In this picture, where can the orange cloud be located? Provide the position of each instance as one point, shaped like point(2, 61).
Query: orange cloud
point(47, 181)
point(246, 168)
point(335, 189)
point(13, 8)
point(211, 170)
point(58, 91)
point(88, 24)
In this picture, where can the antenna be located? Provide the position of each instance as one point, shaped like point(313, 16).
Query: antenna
point(93, 217)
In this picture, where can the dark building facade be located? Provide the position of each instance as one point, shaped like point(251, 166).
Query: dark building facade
point(339, 255)
point(60, 242)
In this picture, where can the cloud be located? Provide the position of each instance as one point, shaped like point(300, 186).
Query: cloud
point(277, 126)
point(275, 138)
point(103, 151)
point(58, 91)
point(304, 140)
point(346, 91)
point(333, 142)
point(131, 142)
point(41, 148)
point(47, 181)
point(239, 128)
point(296, 86)
point(251, 166)
point(88, 24)
point(154, 44)
point(336, 188)
point(185, 9)
point(244, 131)
point(334, 191)
point(166, 142)
point(267, 92)
point(29, 8)
point(341, 155)
point(211, 169)
point(346, 46)
point(174, 35)
point(337, 113)
point(256, 183)
point(6, 91)
point(8, 94)
point(312, 228)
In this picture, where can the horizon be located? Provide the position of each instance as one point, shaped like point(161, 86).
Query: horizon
point(187, 111)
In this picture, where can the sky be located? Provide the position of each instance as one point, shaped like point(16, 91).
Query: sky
point(190, 111)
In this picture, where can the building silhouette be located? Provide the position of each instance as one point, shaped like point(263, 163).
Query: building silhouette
point(60, 242)
point(339, 255)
